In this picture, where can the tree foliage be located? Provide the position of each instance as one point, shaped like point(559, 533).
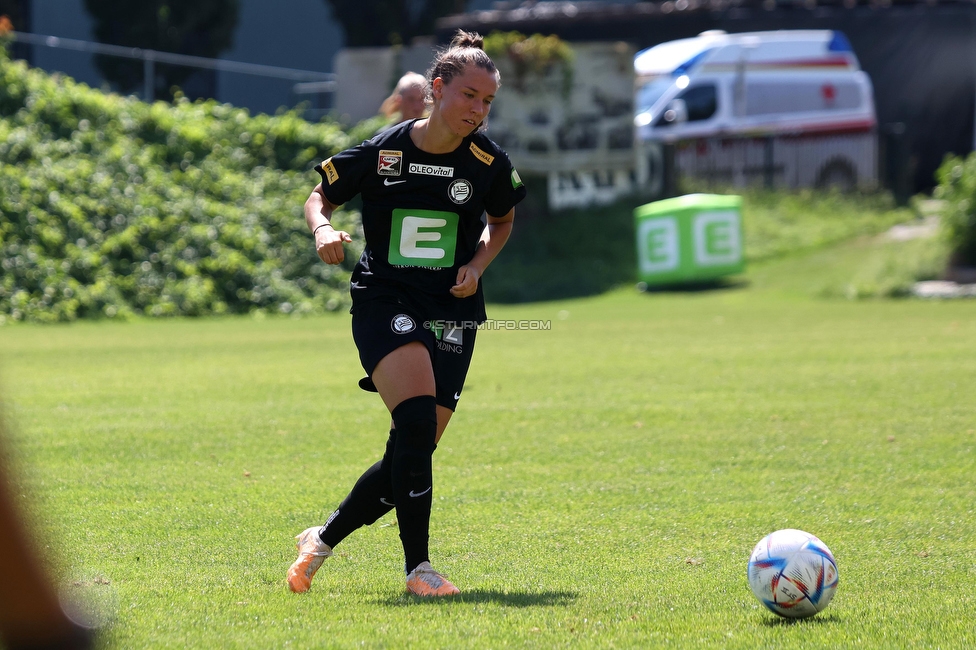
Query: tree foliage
point(195, 27)
point(390, 22)
point(957, 187)
point(14, 11)
point(111, 207)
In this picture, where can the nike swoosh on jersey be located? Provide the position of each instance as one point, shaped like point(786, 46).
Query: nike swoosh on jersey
point(420, 494)
point(388, 182)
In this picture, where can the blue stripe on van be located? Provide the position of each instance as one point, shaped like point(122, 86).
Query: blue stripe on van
point(839, 43)
point(685, 67)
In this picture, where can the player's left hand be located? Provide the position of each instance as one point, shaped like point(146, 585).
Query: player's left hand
point(467, 282)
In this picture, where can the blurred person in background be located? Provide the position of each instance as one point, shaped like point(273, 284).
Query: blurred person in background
point(408, 100)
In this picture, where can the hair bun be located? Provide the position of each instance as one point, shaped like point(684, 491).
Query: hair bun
point(464, 39)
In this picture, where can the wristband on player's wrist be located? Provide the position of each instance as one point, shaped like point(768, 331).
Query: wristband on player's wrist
point(321, 225)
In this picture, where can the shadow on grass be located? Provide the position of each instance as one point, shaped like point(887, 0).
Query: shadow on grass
point(825, 619)
point(506, 599)
point(720, 284)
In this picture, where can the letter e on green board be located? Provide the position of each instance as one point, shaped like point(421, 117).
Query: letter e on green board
point(659, 251)
point(716, 236)
point(423, 238)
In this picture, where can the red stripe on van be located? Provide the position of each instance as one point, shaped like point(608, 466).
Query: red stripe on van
point(799, 130)
point(803, 64)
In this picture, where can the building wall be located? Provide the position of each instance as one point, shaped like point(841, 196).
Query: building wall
point(287, 33)
point(298, 34)
point(367, 75)
point(575, 130)
point(67, 19)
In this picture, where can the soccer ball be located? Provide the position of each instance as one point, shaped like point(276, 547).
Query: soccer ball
point(792, 573)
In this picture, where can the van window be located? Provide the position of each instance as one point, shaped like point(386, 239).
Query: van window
point(650, 92)
point(701, 102)
point(800, 96)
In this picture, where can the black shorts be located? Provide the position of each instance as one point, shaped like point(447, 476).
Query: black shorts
point(381, 326)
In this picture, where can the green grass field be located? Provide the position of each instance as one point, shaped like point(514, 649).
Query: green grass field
point(602, 483)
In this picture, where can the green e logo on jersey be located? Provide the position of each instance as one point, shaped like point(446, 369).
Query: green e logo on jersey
point(423, 238)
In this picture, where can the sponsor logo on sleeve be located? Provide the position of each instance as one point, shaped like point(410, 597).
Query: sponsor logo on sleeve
point(390, 162)
point(516, 181)
point(431, 170)
point(481, 155)
point(331, 174)
point(460, 191)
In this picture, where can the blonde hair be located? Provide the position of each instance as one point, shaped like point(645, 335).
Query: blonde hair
point(391, 105)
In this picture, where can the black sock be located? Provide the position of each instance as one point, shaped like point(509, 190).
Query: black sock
point(370, 499)
point(416, 428)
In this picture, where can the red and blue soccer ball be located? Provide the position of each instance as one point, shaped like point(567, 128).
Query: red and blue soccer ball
point(793, 573)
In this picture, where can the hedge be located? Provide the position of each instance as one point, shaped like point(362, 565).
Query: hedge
point(112, 207)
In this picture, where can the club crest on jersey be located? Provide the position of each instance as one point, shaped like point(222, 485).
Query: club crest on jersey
point(390, 162)
point(460, 191)
point(403, 324)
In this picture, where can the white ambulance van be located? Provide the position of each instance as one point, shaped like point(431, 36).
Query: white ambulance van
point(786, 108)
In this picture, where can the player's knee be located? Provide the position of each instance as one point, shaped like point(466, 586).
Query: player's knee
point(416, 424)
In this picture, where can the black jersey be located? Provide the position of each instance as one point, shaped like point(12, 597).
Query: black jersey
point(422, 215)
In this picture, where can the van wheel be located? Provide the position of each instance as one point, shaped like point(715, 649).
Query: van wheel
point(838, 174)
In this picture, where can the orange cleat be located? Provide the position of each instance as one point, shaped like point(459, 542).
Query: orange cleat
point(311, 554)
point(424, 581)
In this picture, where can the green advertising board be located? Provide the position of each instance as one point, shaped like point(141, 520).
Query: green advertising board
point(690, 238)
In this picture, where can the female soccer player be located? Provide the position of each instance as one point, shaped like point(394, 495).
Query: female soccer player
point(416, 291)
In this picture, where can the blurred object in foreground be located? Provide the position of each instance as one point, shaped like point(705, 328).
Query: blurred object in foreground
point(30, 612)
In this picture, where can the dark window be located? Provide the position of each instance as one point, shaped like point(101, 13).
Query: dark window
point(702, 102)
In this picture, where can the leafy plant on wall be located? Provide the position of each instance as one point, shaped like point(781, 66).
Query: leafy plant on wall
point(534, 55)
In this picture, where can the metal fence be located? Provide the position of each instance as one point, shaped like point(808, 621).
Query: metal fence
point(311, 82)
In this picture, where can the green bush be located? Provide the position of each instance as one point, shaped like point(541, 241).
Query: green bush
point(957, 187)
point(890, 269)
point(778, 223)
point(112, 207)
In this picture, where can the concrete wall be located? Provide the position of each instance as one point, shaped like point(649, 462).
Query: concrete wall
point(581, 137)
point(367, 75)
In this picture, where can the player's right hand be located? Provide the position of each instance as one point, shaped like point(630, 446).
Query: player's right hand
point(328, 244)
